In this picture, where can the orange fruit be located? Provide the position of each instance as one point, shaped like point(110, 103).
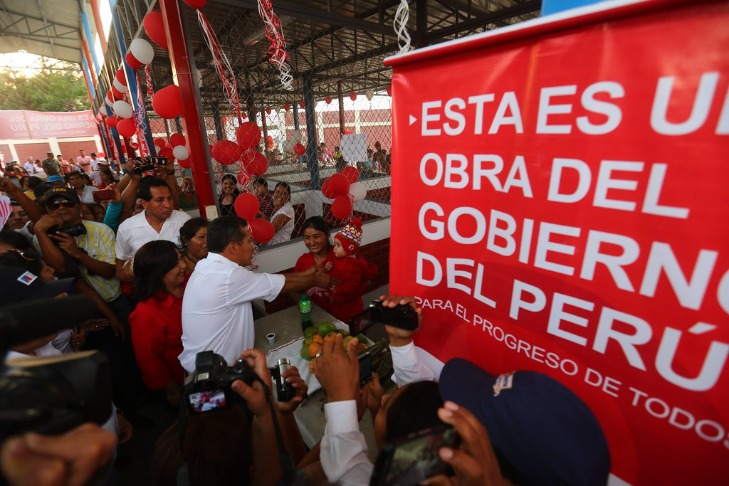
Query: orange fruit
point(314, 348)
point(317, 338)
point(331, 337)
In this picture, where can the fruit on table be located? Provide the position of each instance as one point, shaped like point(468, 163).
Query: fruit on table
point(324, 332)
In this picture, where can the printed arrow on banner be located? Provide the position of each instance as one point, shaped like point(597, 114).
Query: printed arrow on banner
point(412, 119)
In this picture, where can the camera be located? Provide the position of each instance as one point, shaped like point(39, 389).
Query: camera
point(414, 458)
point(401, 316)
point(208, 387)
point(284, 391)
point(50, 395)
point(142, 165)
point(75, 230)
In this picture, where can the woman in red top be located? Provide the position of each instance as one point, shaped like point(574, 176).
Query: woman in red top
point(156, 322)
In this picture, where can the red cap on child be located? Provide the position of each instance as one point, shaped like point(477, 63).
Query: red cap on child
point(351, 236)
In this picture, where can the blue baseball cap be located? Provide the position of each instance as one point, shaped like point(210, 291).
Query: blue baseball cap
point(539, 426)
point(55, 178)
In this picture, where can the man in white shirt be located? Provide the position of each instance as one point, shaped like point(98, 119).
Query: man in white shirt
point(216, 309)
point(158, 221)
point(29, 166)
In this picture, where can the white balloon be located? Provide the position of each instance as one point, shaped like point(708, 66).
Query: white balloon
point(119, 86)
point(142, 50)
point(358, 191)
point(288, 145)
point(297, 136)
point(123, 109)
point(180, 152)
point(108, 101)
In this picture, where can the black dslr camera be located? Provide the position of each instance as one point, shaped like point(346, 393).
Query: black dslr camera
point(401, 316)
point(74, 230)
point(50, 395)
point(208, 387)
point(142, 165)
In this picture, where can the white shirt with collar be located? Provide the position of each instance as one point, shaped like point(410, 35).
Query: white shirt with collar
point(216, 308)
point(136, 231)
point(87, 196)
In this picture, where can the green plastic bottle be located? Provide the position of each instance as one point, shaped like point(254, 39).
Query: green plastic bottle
point(305, 310)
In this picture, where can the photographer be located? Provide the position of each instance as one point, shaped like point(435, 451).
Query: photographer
point(539, 430)
point(226, 446)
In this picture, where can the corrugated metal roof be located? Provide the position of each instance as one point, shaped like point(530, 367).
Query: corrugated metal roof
point(50, 28)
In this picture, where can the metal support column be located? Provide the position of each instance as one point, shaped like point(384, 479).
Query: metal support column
point(192, 112)
point(340, 97)
point(311, 146)
point(219, 135)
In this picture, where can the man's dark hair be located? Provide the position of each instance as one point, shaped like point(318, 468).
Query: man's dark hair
point(68, 176)
point(34, 181)
point(415, 408)
point(318, 223)
point(15, 240)
point(145, 187)
point(224, 231)
point(151, 263)
point(26, 259)
point(261, 181)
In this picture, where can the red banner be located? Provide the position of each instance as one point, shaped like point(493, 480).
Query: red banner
point(560, 204)
point(33, 125)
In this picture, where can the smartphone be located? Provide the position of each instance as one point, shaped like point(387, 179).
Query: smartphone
point(414, 458)
point(401, 316)
point(365, 368)
point(103, 195)
point(206, 401)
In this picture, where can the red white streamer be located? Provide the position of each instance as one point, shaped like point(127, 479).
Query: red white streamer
point(277, 49)
point(222, 64)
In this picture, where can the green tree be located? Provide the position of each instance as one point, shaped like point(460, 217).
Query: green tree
point(47, 90)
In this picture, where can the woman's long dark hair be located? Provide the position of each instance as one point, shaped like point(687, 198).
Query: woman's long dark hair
point(236, 192)
point(151, 263)
point(190, 229)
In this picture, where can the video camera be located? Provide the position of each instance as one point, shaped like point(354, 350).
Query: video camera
point(142, 165)
point(401, 316)
point(208, 387)
point(50, 395)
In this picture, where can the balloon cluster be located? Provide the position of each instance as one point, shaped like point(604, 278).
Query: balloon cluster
point(247, 207)
point(345, 190)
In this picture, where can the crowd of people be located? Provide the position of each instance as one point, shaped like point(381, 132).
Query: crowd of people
point(167, 287)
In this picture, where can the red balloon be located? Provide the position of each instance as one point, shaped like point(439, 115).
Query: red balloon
point(166, 153)
point(248, 135)
point(127, 127)
point(120, 77)
point(302, 105)
point(185, 164)
point(269, 142)
point(166, 102)
point(261, 230)
point(326, 189)
point(246, 206)
point(227, 152)
point(155, 29)
point(299, 149)
point(132, 61)
point(177, 139)
point(353, 96)
point(197, 4)
point(101, 154)
point(160, 142)
point(116, 94)
point(339, 185)
point(268, 110)
point(342, 207)
point(347, 131)
point(257, 165)
point(351, 174)
point(111, 121)
point(287, 107)
point(328, 99)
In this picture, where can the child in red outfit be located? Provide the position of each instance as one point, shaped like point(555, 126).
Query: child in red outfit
point(350, 271)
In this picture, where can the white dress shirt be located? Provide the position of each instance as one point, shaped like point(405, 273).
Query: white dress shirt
point(216, 308)
point(136, 231)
